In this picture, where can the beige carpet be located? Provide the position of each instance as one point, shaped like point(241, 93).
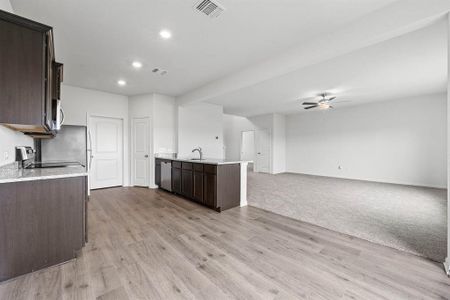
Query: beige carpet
point(413, 219)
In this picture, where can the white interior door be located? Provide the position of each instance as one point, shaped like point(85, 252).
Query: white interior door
point(248, 146)
point(106, 159)
point(262, 139)
point(141, 150)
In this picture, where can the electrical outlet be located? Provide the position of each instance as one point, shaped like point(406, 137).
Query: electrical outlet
point(6, 155)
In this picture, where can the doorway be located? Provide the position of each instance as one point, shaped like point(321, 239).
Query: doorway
point(263, 150)
point(105, 139)
point(248, 150)
point(140, 168)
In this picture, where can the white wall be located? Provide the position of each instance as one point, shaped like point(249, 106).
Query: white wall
point(161, 110)
point(78, 103)
point(447, 259)
point(399, 141)
point(279, 144)
point(232, 129)
point(275, 123)
point(198, 126)
point(164, 124)
point(6, 5)
point(248, 147)
point(9, 139)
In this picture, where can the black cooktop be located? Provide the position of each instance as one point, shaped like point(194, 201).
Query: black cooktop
point(53, 164)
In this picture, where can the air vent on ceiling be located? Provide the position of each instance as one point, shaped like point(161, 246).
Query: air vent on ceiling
point(159, 71)
point(209, 8)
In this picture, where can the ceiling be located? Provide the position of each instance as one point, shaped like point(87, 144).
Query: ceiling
point(409, 65)
point(98, 40)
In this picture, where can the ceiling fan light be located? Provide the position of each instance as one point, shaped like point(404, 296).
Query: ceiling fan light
point(324, 105)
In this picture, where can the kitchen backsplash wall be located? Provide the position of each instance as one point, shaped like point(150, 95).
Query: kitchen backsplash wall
point(9, 139)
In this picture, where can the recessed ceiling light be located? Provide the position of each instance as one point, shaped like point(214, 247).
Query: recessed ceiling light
point(137, 64)
point(165, 34)
point(121, 82)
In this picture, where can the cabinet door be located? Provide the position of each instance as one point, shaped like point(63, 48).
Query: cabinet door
point(209, 190)
point(21, 75)
point(65, 201)
point(176, 180)
point(49, 79)
point(158, 173)
point(198, 187)
point(42, 222)
point(187, 183)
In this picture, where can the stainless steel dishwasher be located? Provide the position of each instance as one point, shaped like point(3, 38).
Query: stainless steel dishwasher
point(166, 175)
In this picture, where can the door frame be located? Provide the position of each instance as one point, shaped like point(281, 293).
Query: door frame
point(151, 176)
point(254, 143)
point(100, 115)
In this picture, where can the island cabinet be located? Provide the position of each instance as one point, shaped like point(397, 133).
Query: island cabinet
point(198, 183)
point(158, 172)
point(176, 177)
point(42, 223)
point(187, 180)
point(215, 186)
point(210, 186)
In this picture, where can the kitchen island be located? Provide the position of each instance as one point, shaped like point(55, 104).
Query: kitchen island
point(216, 183)
point(42, 217)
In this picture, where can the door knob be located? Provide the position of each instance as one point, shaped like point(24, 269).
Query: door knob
point(146, 155)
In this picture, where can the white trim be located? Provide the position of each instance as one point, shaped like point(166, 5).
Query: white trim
point(149, 147)
point(447, 260)
point(447, 266)
point(100, 115)
point(243, 201)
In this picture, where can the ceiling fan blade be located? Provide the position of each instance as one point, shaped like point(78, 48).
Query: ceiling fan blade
point(309, 107)
point(309, 103)
point(332, 98)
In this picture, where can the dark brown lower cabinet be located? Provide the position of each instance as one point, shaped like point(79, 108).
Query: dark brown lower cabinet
point(176, 180)
point(198, 187)
point(215, 186)
point(42, 223)
point(210, 189)
point(158, 172)
point(187, 183)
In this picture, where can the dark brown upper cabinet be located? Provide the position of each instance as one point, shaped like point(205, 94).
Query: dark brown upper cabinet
point(30, 79)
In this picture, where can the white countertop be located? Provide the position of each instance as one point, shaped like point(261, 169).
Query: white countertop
point(10, 173)
point(209, 161)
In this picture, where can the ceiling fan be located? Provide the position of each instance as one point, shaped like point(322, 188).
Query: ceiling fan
point(323, 103)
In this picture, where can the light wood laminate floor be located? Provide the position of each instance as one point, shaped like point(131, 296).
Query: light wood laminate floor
point(147, 244)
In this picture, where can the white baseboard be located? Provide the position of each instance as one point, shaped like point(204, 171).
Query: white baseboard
point(447, 266)
point(153, 186)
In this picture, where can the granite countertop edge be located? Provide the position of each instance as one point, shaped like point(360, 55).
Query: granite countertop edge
point(20, 179)
point(10, 173)
point(207, 161)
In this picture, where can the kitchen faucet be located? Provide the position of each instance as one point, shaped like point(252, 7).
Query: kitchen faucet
point(199, 152)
